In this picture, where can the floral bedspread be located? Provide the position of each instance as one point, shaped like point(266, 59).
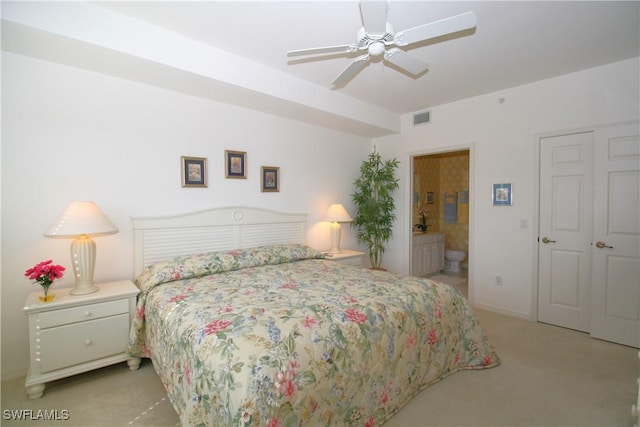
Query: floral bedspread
point(276, 336)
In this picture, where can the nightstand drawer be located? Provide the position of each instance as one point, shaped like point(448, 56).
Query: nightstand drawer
point(70, 345)
point(80, 314)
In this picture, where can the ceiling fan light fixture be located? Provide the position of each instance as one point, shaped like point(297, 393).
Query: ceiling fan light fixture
point(376, 49)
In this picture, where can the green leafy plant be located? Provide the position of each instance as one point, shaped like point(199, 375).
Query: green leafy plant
point(375, 206)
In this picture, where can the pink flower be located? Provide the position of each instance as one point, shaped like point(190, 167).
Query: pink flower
point(487, 361)
point(288, 388)
point(284, 380)
point(433, 336)
point(45, 273)
point(370, 422)
point(187, 373)
point(216, 326)
point(177, 273)
point(457, 360)
point(355, 315)
point(438, 310)
point(274, 422)
point(310, 322)
point(411, 341)
point(384, 399)
point(177, 298)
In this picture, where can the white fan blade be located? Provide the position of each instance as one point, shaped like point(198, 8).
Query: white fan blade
point(374, 16)
point(350, 72)
point(436, 29)
point(345, 48)
point(405, 61)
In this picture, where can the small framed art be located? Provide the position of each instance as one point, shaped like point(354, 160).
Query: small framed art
point(269, 179)
point(502, 195)
point(235, 164)
point(430, 197)
point(194, 171)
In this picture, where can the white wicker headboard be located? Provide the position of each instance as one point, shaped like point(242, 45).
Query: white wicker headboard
point(159, 238)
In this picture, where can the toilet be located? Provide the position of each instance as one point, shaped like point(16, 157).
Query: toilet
point(452, 260)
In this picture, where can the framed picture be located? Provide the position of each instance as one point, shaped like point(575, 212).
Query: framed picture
point(269, 179)
point(502, 195)
point(194, 171)
point(235, 164)
point(430, 197)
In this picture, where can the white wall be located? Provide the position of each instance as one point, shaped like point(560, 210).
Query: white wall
point(70, 134)
point(504, 149)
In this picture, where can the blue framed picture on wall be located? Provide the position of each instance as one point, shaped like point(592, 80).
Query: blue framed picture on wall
point(502, 194)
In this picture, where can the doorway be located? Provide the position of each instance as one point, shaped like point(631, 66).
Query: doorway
point(441, 189)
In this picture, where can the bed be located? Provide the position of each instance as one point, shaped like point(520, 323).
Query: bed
point(247, 326)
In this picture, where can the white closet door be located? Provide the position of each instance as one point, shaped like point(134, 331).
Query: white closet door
point(615, 314)
point(564, 249)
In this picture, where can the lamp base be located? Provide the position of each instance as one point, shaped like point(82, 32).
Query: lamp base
point(87, 288)
point(83, 255)
point(336, 231)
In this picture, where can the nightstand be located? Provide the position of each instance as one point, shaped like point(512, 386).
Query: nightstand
point(346, 257)
point(78, 333)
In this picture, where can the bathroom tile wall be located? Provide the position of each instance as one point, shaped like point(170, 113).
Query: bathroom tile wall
point(440, 174)
point(428, 167)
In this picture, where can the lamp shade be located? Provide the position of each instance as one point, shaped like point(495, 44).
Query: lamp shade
point(337, 213)
point(81, 218)
point(81, 221)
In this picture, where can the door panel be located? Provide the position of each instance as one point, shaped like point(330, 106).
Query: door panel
point(565, 285)
point(616, 251)
point(564, 251)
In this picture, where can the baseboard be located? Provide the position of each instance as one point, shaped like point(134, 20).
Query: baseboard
point(519, 315)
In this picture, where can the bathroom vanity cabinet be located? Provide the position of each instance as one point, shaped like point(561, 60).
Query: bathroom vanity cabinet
point(428, 253)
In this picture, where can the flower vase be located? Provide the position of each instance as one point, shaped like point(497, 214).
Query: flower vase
point(46, 295)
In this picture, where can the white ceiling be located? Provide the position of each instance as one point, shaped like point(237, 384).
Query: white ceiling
point(515, 42)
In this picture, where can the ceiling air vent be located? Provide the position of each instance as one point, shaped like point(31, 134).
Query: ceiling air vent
point(421, 118)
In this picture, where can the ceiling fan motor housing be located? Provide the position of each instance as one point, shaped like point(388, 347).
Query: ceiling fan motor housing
point(375, 43)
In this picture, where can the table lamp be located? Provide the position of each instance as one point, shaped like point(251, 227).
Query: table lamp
point(81, 221)
point(336, 214)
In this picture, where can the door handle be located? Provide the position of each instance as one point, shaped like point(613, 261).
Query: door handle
point(547, 240)
point(601, 245)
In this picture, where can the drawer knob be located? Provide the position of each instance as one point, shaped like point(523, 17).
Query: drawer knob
point(87, 313)
point(88, 342)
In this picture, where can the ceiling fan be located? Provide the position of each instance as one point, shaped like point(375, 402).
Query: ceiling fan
point(378, 38)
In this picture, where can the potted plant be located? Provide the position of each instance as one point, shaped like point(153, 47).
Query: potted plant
point(373, 221)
